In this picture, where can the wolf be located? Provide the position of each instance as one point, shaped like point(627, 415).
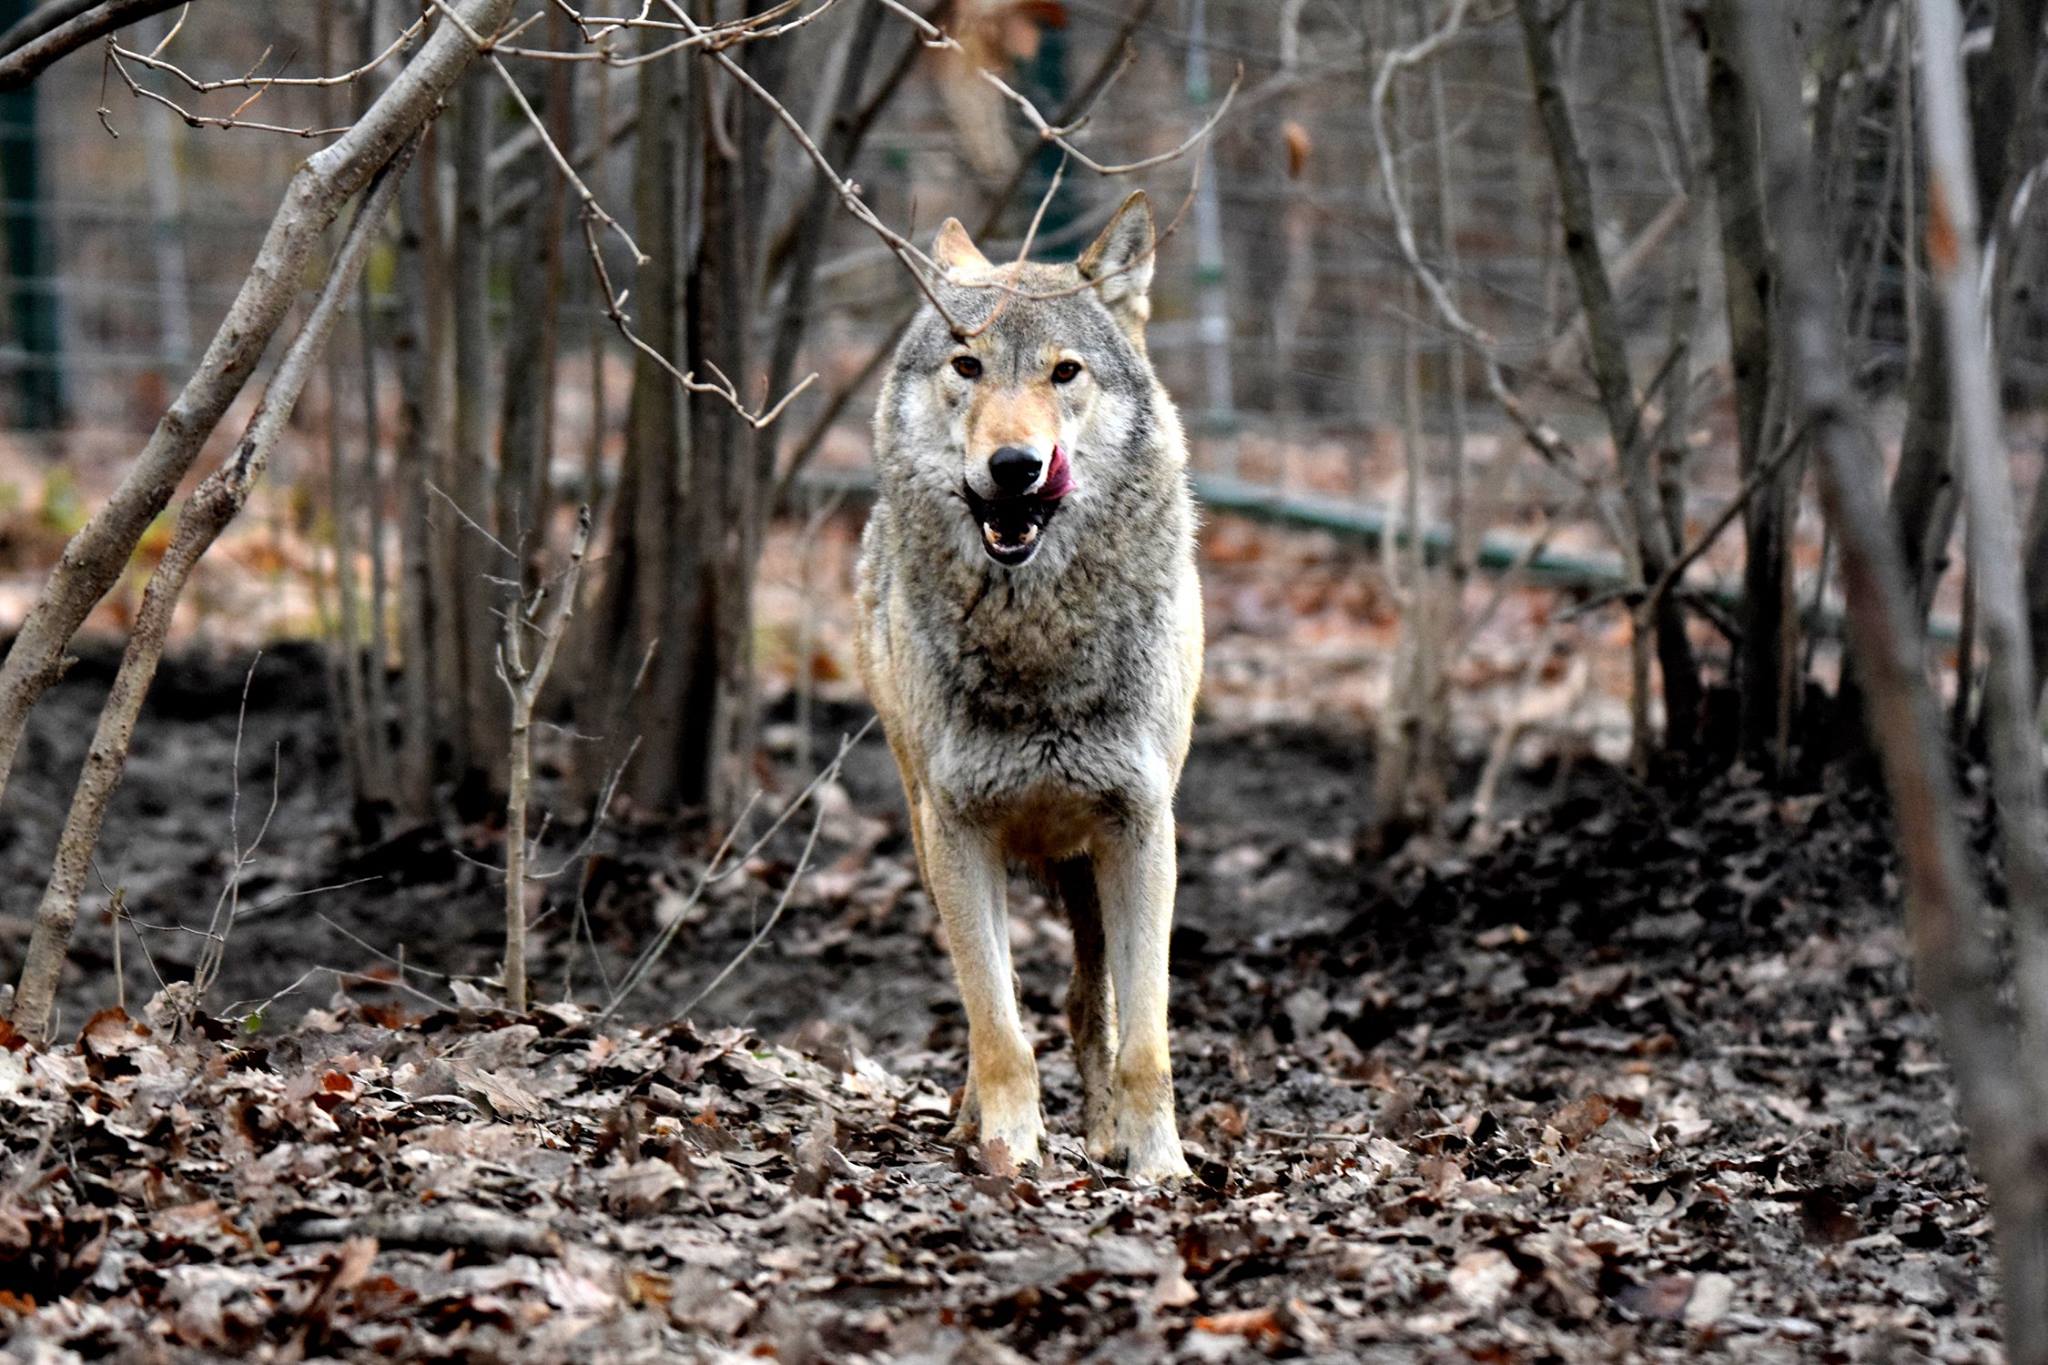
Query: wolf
point(1030, 631)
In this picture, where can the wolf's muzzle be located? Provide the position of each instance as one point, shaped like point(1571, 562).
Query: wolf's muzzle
point(1013, 521)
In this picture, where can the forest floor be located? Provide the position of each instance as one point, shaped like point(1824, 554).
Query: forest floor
point(1642, 1079)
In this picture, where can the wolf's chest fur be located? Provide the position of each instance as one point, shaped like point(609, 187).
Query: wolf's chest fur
point(1046, 684)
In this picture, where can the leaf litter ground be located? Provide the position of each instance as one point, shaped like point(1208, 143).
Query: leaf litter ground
point(1640, 1081)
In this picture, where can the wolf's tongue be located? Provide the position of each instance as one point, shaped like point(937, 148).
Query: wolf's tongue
point(1058, 479)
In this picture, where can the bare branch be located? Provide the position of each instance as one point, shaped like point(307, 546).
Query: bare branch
point(1542, 437)
point(720, 868)
point(61, 28)
point(154, 61)
point(231, 120)
point(95, 557)
point(523, 682)
point(751, 28)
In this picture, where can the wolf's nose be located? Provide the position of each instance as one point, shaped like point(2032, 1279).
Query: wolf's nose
point(1014, 468)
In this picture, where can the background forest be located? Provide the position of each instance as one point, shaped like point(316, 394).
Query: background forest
point(458, 904)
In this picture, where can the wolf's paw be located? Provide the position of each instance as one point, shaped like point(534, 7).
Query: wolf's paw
point(1149, 1148)
point(1022, 1136)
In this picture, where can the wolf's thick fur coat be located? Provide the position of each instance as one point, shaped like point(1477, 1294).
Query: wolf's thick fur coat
point(1040, 714)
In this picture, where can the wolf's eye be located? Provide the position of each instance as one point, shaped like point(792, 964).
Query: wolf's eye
point(967, 367)
point(1066, 371)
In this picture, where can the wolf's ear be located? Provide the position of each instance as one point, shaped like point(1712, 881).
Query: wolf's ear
point(955, 251)
point(1121, 260)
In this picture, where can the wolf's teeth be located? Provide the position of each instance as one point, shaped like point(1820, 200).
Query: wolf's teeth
point(1030, 535)
point(988, 533)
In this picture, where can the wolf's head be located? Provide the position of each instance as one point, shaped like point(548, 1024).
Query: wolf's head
point(1046, 400)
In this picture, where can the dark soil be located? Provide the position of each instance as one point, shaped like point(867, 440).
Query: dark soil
point(1641, 1080)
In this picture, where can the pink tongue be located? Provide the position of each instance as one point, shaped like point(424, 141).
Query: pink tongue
point(1057, 479)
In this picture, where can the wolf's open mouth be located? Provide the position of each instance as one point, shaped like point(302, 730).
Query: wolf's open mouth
point(1011, 527)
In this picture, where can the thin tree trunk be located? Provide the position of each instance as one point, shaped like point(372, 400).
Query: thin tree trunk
point(370, 495)
point(526, 424)
point(97, 554)
point(421, 345)
point(1734, 158)
point(473, 487)
point(1925, 494)
point(206, 513)
point(631, 612)
point(1956, 266)
point(1607, 348)
point(344, 642)
point(2002, 1097)
point(594, 493)
point(524, 683)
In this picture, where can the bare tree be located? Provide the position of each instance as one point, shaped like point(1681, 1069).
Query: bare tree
point(96, 555)
point(1956, 266)
point(2000, 1086)
point(1924, 491)
point(213, 504)
point(523, 667)
point(1767, 654)
point(1608, 353)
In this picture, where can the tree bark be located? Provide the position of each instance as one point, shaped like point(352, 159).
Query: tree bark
point(631, 612)
point(62, 27)
point(96, 555)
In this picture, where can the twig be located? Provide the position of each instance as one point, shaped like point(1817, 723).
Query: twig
point(1058, 136)
point(796, 875)
point(1751, 486)
point(462, 1227)
point(615, 312)
point(523, 683)
point(233, 119)
point(1543, 438)
point(718, 869)
point(731, 33)
point(154, 61)
point(227, 907)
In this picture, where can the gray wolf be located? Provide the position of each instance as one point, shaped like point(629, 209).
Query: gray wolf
point(1031, 635)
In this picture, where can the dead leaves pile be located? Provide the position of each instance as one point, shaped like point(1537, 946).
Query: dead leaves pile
point(1490, 1116)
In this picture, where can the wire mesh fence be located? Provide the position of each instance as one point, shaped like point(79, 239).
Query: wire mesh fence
point(1282, 307)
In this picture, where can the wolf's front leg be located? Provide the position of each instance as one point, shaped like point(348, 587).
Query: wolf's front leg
point(1135, 875)
point(965, 876)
